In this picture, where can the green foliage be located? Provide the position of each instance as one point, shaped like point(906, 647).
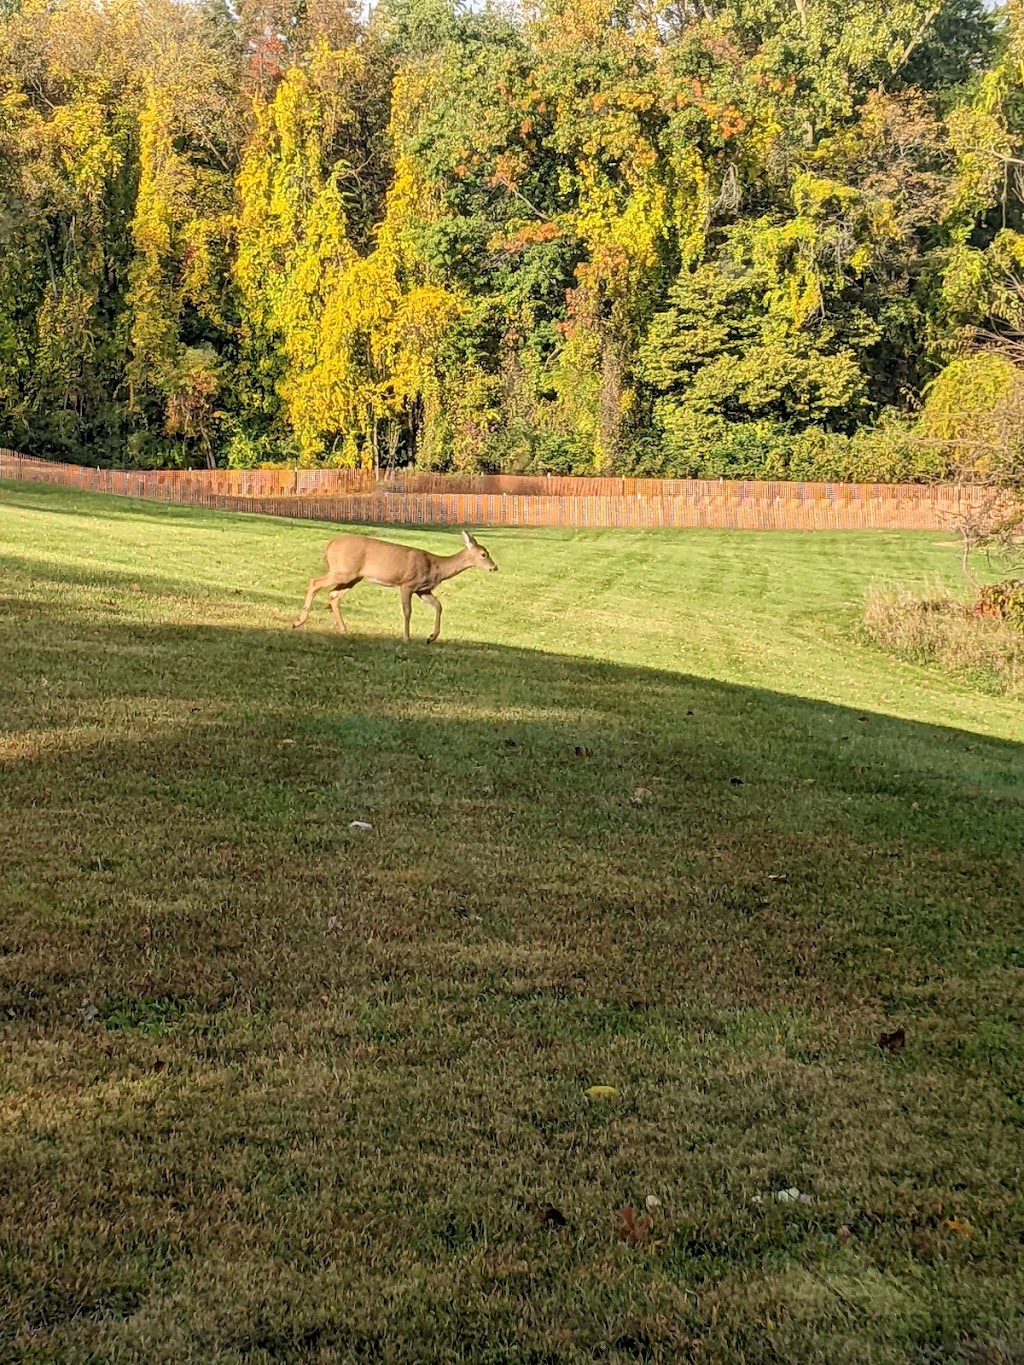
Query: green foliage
point(965, 403)
point(710, 447)
point(598, 237)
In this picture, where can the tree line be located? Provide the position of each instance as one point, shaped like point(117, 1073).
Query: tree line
point(736, 238)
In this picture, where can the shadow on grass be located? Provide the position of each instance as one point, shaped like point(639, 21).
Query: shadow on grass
point(558, 786)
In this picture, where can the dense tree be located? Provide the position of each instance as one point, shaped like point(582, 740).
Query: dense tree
point(715, 238)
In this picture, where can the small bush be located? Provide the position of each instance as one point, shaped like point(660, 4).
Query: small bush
point(1003, 601)
point(981, 649)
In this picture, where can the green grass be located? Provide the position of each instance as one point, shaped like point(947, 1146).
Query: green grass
point(273, 1089)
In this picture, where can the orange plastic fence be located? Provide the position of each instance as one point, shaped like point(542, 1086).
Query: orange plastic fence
point(343, 495)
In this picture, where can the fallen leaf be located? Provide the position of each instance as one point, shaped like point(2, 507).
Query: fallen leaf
point(581, 752)
point(602, 1092)
point(159, 1064)
point(88, 1011)
point(641, 793)
point(359, 824)
point(552, 1217)
point(325, 1000)
point(960, 1226)
point(333, 922)
point(793, 1196)
point(736, 781)
point(778, 876)
point(843, 1233)
point(653, 1202)
point(893, 1042)
point(510, 743)
point(689, 713)
point(632, 1229)
point(281, 743)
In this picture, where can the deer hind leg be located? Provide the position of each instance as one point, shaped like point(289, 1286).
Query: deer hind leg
point(406, 611)
point(315, 584)
point(429, 597)
point(333, 597)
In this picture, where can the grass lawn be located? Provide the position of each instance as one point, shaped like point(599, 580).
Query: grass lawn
point(648, 816)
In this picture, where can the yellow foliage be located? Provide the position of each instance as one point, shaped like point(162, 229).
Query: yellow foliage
point(360, 334)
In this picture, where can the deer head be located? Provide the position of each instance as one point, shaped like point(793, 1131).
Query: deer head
point(481, 559)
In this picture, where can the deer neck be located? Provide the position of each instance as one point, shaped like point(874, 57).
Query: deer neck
point(447, 566)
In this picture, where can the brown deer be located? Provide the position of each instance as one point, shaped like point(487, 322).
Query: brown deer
point(415, 573)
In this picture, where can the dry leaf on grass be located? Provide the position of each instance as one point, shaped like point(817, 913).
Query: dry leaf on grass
point(793, 1196)
point(552, 1217)
point(633, 1230)
point(959, 1226)
point(893, 1042)
point(602, 1092)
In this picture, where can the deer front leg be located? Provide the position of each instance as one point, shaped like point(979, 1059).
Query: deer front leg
point(429, 597)
point(406, 611)
point(315, 584)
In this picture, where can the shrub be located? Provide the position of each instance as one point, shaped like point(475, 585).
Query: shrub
point(269, 449)
point(939, 630)
point(706, 446)
point(1003, 601)
point(970, 404)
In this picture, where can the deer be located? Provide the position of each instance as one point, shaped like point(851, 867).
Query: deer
point(415, 573)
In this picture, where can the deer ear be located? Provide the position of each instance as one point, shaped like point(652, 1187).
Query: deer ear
point(468, 539)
